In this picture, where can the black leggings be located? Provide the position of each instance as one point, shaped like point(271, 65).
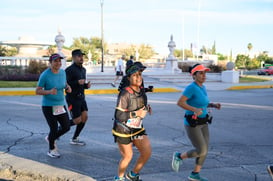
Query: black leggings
point(52, 122)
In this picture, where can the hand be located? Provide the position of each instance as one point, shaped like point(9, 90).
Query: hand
point(53, 91)
point(68, 89)
point(198, 111)
point(88, 84)
point(217, 106)
point(149, 108)
point(141, 112)
point(81, 81)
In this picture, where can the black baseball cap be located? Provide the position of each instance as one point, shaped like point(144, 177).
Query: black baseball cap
point(140, 65)
point(77, 52)
point(136, 66)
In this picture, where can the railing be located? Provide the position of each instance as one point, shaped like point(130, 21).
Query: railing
point(20, 61)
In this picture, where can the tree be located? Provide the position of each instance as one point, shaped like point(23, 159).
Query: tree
point(213, 49)
point(50, 50)
point(241, 60)
point(230, 55)
point(145, 51)
point(221, 56)
point(7, 52)
point(179, 53)
point(93, 44)
point(129, 51)
point(252, 64)
point(263, 57)
point(204, 50)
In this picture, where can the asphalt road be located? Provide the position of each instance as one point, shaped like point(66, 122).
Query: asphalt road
point(240, 145)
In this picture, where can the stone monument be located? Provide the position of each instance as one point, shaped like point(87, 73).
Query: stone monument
point(171, 61)
point(137, 55)
point(89, 55)
point(230, 75)
point(59, 39)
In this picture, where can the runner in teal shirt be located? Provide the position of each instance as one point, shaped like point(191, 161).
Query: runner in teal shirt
point(51, 86)
point(197, 97)
point(49, 80)
point(195, 101)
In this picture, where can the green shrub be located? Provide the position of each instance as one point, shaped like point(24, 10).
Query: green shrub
point(216, 68)
point(36, 67)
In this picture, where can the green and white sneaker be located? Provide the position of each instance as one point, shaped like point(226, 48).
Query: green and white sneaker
point(196, 177)
point(176, 161)
point(130, 177)
point(116, 178)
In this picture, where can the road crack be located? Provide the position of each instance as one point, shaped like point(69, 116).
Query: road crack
point(19, 139)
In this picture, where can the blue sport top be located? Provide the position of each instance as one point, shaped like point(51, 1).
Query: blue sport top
point(197, 97)
point(49, 80)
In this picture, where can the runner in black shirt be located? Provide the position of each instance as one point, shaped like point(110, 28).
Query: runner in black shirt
point(76, 78)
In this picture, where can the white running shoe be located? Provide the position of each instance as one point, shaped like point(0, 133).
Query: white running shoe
point(77, 142)
point(54, 153)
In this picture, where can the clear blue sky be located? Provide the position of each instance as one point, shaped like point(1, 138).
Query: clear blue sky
point(232, 24)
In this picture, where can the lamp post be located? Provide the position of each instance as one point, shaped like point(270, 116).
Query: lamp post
point(102, 50)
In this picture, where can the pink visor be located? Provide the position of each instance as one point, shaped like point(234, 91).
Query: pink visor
point(199, 68)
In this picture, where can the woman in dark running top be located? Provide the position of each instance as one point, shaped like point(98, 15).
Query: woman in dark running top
point(128, 129)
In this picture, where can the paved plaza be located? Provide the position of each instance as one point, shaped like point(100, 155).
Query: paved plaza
point(240, 146)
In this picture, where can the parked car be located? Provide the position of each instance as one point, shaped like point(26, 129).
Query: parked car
point(266, 71)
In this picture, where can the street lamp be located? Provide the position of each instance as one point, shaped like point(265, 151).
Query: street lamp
point(102, 51)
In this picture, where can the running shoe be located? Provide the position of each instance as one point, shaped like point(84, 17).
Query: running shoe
point(77, 141)
point(53, 153)
point(176, 161)
point(55, 145)
point(196, 177)
point(130, 177)
point(270, 170)
point(116, 178)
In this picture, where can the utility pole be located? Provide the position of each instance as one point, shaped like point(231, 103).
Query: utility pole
point(102, 50)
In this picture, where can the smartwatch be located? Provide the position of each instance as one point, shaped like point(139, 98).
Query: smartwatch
point(133, 114)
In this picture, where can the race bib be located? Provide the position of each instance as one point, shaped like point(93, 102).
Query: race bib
point(57, 110)
point(134, 122)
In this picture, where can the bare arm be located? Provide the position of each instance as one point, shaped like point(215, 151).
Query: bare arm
point(215, 105)
point(182, 102)
point(41, 91)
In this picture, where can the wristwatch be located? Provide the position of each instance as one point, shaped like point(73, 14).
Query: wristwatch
point(133, 114)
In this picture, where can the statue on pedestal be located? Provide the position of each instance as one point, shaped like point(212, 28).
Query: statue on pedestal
point(89, 55)
point(59, 39)
point(171, 61)
point(171, 46)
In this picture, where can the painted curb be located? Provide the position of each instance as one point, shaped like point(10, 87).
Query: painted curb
point(250, 87)
point(87, 92)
